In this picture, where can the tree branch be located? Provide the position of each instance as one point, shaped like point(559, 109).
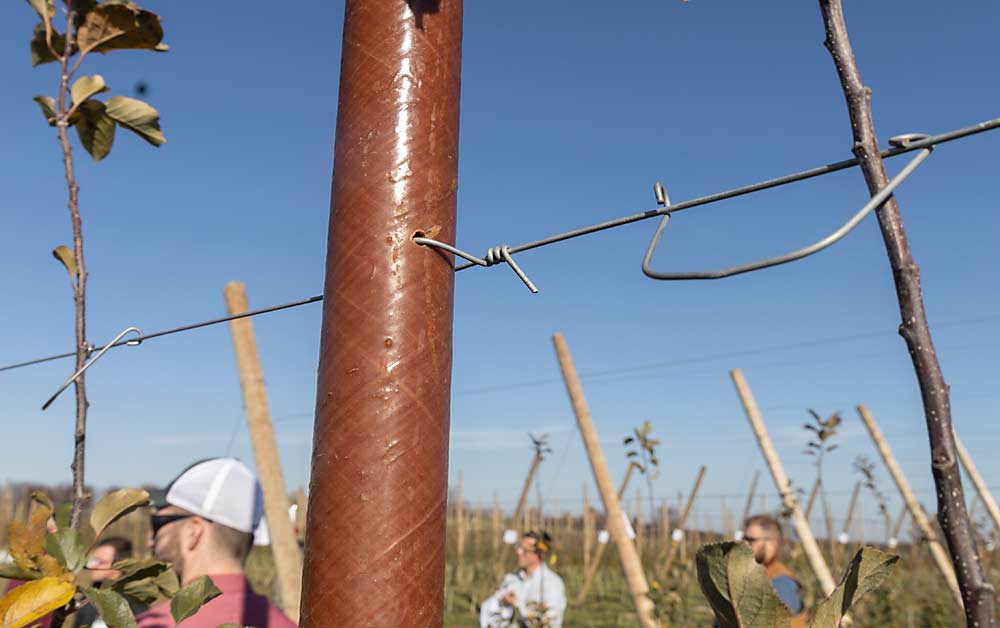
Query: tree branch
point(80, 285)
point(977, 593)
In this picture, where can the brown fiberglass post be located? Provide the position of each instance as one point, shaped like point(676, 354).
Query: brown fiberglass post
point(376, 524)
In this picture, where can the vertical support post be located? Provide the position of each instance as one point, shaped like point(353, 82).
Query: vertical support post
point(812, 498)
point(284, 545)
point(634, 575)
point(496, 523)
point(749, 504)
point(588, 530)
point(809, 546)
point(588, 576)
point(916, 512)
point(638, 522)
point(727, 520)
point(681, 525)
point(459, 530)
point(977, 480)
point(379, 483)
point(523, 499)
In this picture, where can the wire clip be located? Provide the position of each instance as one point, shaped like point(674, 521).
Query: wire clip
point(76, 376)
point(494, 255)
point(901, 141)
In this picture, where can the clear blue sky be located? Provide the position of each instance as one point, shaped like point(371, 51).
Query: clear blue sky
point(570, 112)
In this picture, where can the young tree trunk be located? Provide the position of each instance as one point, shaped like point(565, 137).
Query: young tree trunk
point(977, 592)
point(681, 525)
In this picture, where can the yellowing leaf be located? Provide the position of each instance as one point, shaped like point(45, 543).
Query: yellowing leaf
point(49, 566)
point(33, 600)
point(25, 541)
point(65, 255)
point(48, 107)
point(116, 505)
point(119, 26)
point(136, 116)
point(44, 8)
point(86, 86)
point(95, 128)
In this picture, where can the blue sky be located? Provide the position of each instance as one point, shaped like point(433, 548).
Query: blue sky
point(570, 112)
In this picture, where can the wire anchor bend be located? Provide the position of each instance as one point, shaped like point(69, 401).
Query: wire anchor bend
point(90, 361)
point(494, 255)
point(663, 199)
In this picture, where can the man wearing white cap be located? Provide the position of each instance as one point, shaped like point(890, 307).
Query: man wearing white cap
point(204, 526)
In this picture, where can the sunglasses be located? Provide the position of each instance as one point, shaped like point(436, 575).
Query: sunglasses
point(158, 521)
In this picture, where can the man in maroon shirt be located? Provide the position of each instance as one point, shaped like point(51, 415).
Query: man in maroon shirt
point(204, 526)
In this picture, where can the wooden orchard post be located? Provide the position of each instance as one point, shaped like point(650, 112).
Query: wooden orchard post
point(284, 545)
point(616, 527)
point(681, 525)
point(595, 562)
point(746, 508)
point(588, 530)
point(916, 512)
point(379, 485)
point(459, 530)
point(977, 480)
point(806, 538)
point(812, 497)
point(523, 499)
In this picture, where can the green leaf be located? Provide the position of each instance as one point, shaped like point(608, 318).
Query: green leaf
point(136, 116)
point(190, 598)
point(40, 52)
point(48, 107)
point(116, 505)
point(112, 608)
point(628, 440)
point(63, 512)
point(867, 570)
point(65, 255)
point(146, 581)
point(10, 571)
point(86, 86)
point(738, 589)
point(111, 26)
point(65, 545)
point(95, 128)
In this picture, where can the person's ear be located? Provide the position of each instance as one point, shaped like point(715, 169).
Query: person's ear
point(194, 533)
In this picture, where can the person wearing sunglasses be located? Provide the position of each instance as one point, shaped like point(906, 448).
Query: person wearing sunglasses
point(99, 565)
point(534, 595)
point(762, 533)
point(203, 525)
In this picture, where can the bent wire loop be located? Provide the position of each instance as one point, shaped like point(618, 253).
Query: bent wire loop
point(875, 201)
point(97, 357)
point(494, 255)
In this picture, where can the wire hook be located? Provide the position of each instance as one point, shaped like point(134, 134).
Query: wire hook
point(97, 357)
point(875, 201)
point(494, 255)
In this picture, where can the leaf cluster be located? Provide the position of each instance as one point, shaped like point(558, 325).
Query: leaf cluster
point(822, 431)
point(741, 594)
point(96, 27)
point(866, 467)
point(541, 445)
point(49, 557)
point(642, 446)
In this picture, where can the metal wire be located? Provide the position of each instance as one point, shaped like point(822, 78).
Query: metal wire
point(753, 187)
point(494, 256)
point(816, 247)
point(142, 338)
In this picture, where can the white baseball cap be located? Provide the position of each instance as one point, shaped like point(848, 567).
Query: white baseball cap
point(222, 490)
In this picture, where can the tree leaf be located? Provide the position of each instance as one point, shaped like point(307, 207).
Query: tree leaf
point(191, 596)
point(33, 600)
point(65, 255)
point(867, 570)
point(628, 440)
point(136, 116)
point(95, 128)
point(738, 589)
point(48, 106)
point(112, 608)
point(40, 52)
point(67, 548)
point(86, 86)
point(116, 505)
point(44, 8)
point(63, 512)
point(11, 571)
point(146, 581)
point(646, 428)
point(110, 26)
point(26, 540)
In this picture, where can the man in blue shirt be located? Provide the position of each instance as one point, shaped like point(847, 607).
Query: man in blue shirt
point(763, 534)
